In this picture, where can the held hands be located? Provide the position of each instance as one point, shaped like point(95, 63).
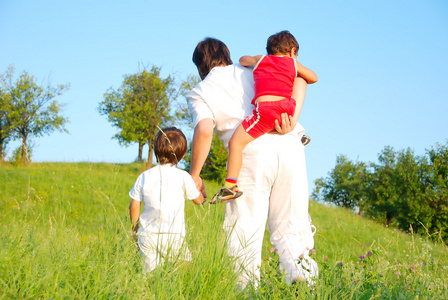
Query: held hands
point(135, 235)
point(135, 238)
point(200, 185)
point(288, 124)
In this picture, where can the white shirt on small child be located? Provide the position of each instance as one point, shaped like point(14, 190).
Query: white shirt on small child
point(163, 190)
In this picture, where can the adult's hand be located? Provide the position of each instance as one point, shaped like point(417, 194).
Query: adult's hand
point(288, 124)
point(200, 185)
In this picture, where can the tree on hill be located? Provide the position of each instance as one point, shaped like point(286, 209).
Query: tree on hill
point(5, 128)
point(436, 188)
point(412, 191)
point(346, 185)
point(139, 106)
point(403, 189)
point(397, 193)
point(181, 112)
point(30, 109)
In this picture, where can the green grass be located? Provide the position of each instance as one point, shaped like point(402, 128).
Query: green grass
point(65, 234)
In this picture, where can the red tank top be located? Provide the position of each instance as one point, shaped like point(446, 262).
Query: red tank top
point(274, 75)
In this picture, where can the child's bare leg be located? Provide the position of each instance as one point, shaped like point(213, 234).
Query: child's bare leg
point(237, 143)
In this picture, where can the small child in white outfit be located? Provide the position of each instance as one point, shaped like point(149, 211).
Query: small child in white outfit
point(163, 190)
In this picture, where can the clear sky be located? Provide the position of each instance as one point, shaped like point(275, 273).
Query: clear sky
point(382, 65)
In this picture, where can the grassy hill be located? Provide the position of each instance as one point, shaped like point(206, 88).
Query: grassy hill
point(65, 232)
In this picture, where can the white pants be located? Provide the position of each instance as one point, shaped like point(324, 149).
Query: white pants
point(275, 187)
point(155, 248)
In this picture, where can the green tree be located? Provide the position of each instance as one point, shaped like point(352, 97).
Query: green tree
point(436, 189)
point(346, 185)
point(398, 189)
point(16, 156)
point(141, 104)
point(181, 112)
point(214, 167)
point(403, 189)
point(412, 191)
point(382, 196)
point(31, 110)
point(5, 128)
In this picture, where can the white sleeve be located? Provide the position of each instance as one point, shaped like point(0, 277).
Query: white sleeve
point(191, 192)
point(199, 110)
point(136, 192)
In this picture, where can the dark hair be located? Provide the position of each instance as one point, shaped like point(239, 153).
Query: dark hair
point(281, 43)
point(170, 145)
point(209, 53)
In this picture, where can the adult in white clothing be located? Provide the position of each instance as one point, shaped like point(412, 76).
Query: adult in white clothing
point(273, 175)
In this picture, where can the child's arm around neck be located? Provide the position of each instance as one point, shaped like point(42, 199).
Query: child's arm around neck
point(248, 61)
point(305, 73)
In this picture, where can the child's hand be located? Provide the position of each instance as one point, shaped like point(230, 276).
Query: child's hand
point(135, 237)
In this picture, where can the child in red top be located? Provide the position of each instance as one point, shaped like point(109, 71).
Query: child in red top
point(274, 77)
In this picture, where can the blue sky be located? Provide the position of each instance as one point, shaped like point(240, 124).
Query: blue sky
point(382, 65)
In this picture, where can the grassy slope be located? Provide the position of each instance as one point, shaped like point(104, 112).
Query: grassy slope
point(65, 232)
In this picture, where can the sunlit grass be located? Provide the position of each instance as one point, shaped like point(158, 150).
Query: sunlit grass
point(65, 231)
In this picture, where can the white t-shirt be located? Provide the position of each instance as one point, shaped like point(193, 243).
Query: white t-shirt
point(225, 96)
point(163, 190)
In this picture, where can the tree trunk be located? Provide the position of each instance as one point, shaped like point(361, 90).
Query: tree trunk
point(388, 220)
point(1, 151)
point(24, 150)
point(140, 152)
point(149, 162)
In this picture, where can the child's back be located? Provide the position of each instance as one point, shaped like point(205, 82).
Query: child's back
point(163, 190)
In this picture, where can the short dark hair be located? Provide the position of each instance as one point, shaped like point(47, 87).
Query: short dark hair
point(281, 43)
point(170, 145)
point(209, 53)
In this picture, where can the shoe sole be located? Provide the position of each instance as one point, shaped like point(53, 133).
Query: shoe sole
point(305, 140)
point(224, 200)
